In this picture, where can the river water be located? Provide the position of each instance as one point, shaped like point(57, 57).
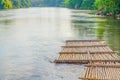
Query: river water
point(30, 40)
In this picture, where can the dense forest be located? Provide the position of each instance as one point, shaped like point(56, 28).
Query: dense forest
point(103, 6)
point(9, 4)
point(5, 4)
point(80, 4)
point(21, 3)
point(108, 6)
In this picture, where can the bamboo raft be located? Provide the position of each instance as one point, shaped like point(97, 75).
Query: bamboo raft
point(85, 49)
point(102, 72)
point(85, 42)
point(102, 62)
point(86, 58)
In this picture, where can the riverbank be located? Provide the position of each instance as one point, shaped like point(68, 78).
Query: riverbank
point(116, 16)
point(101, 14)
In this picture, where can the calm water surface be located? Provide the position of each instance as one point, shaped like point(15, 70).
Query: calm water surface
point(30, 40)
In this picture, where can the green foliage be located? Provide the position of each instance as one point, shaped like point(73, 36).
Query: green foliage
point(74, 4)
point(9, 4)
point(5, 4)
point(80, 4)
point(105, 6)
point(21, 3)
point(25, 3)
point(16, 3)
point(88, 4)
point(108, 6)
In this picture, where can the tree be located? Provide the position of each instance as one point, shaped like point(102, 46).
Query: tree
point(88, 4)
point(8, 4)
point(5, 4)
point(108, 6)
point(16, 3)
point(74, 4)
point(25, 3)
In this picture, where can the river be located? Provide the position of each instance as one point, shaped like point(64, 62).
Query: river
point(30, 40)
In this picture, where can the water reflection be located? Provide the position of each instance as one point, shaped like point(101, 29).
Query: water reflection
point(100, 31)
point(31, 38)
point(112, 33)
point(93, 27)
